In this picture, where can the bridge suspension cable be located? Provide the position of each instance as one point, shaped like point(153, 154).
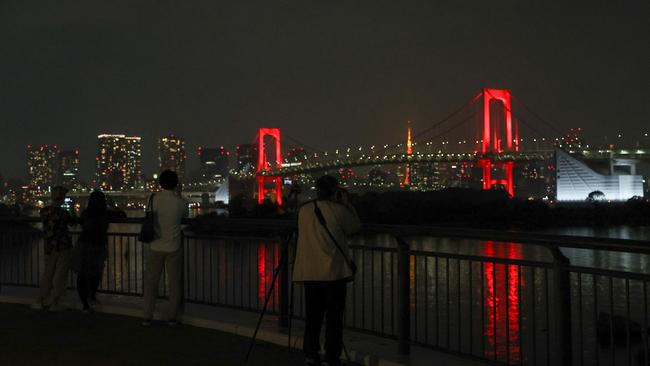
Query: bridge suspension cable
point(441, 122)
point(452, 128)
point(557, 130)
point(302, 144)
point(448, 117)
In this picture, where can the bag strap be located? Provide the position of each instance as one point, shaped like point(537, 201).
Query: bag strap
point(321, 219)
point(150, 204)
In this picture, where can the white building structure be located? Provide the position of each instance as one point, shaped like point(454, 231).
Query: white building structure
point(575, 180)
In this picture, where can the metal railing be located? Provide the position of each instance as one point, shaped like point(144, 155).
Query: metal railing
point(508, 309)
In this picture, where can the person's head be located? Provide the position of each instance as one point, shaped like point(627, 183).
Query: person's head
point(168, 180)
point(97, 202)
point(58, 195)
point(326, 187)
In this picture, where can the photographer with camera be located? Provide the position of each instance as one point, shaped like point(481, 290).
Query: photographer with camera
point(324, 265)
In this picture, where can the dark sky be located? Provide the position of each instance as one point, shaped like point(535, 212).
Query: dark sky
point(329, 73)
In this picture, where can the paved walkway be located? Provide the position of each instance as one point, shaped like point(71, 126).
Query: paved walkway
point(210, 336)
point(29, 337)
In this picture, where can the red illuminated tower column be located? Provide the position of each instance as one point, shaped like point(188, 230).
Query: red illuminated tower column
point(264, 166)
point(494, 135)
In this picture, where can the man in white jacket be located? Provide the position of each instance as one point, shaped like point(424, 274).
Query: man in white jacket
point(324, 265)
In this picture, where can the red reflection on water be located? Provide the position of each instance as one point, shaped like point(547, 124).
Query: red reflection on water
point(502, 304)
point(261, 270)
point(265, 271)
point(276, 261)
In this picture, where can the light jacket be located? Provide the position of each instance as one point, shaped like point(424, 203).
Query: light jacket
point(317, 257)
point(168, 212)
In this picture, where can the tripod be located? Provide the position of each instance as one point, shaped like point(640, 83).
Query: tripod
point(283, 261)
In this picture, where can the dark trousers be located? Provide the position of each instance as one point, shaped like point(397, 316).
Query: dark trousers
point(87, 286)
point(324, 300)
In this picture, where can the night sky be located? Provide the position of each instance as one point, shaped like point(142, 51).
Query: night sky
point(329, 73)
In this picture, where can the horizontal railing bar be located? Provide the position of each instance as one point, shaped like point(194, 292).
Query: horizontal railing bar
point(222, 236)
point(479, 258)
point(609, 273)
point(543, 239)
point(117, 234)
point(374, 249)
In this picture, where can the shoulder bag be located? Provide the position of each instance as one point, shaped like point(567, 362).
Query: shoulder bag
point(147, 232)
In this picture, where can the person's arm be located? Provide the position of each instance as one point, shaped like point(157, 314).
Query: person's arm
point(347, 217)
point(353, 221)
point(350, 220)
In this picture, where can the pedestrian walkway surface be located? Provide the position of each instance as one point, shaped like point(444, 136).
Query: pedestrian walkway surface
point(209, 335)
point(30, 337)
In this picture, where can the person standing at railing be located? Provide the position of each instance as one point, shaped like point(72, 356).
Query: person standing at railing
point(323, 264)
point(92, 248)
point(169, 209)
point(58, 245)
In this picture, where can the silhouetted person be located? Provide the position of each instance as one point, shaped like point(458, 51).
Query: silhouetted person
point(166, 250)
point(324, 265)
point(93, 247)
point(58, 246)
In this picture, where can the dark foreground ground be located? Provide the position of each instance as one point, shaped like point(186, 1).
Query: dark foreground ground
point(30, 337)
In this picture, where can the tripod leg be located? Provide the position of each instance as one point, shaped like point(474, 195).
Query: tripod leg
point(266, 303)
point(290, 316)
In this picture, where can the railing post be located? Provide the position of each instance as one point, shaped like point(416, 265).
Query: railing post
point(403, 298)
point(283, 285)
point(184, 268)
point(562, 307)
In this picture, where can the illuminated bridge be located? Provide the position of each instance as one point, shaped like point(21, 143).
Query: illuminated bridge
point(346, 160)
point(496, 146)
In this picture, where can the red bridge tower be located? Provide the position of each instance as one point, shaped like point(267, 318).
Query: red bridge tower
point(495, 133)
point(264, 166)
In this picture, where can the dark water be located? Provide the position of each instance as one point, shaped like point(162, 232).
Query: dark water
point(495, 310)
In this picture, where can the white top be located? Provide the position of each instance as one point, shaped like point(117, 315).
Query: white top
point(317, 257)
point(168, 211)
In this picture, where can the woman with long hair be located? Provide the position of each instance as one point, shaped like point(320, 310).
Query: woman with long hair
point(93, 248)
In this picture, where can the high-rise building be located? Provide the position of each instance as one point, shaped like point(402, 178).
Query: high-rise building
point(133, 167)
point(172, 155)
point(68, 169)
point(214, 162)
point(246, 155)
point(119, 163)
point(42, 166)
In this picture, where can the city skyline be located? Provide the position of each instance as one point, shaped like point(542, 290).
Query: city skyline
point(214, 73)
point(194, 162)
